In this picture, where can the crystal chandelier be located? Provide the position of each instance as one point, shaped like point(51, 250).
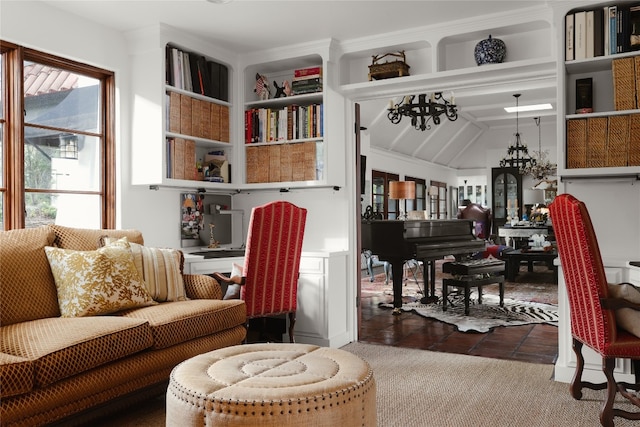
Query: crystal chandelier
point(423, 110)
point(542, 167)
point(518, 153)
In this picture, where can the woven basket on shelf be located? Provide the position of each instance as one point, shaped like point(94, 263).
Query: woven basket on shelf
point(618, 141)
point(634, 140)
point(624, 83)
point(596, 142)
point(576, 143)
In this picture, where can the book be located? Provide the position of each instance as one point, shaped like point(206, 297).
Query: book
point(568, 39)
point(584, 95)
point(613, 11)
point(605, 31)
point(302, 72)
point(580, 35)
point(634, 27)
point(589, 37)
point(598, 32)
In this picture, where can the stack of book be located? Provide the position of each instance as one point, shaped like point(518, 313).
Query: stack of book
point(602, 31)
point(307, 80)
point(194, 73)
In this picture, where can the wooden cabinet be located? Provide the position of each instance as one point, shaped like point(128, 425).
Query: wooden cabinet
point(507, 200)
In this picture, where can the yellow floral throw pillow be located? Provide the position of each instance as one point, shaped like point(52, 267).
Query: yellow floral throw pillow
point(96, 282)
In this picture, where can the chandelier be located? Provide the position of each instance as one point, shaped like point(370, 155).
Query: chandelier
point(518, 153)
point(423, 110)
point(542, 167)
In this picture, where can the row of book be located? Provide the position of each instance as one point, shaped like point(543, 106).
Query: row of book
point(197, 118)
point(597, 142)
point(283, 162)
point(307, 80)
point(183, 164)
point(286, 124)
point(194, 73)
point(602, 31)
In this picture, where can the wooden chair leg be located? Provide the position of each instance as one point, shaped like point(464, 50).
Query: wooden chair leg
point(606, 413)
point(576, 383)
point(292, 322)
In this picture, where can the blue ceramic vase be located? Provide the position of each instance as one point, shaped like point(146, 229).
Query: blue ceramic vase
point(490, 51)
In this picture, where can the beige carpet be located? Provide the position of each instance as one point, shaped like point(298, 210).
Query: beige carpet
point(428, 389)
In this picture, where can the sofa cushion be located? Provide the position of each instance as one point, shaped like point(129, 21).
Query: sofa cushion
point(27, 288)
point(96, 282)
point(84, 239)
point(62, 347)
point(181, 321)
point(16, 374)
point(160, 268)
point(627, 318)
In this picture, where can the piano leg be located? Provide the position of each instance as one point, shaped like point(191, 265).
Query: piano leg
point(431, 277)
point(396, 273)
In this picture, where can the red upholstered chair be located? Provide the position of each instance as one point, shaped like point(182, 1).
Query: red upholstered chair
point(481, 217)
point(592, 308)
point(269, 282)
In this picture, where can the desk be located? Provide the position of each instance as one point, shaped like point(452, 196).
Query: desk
point(510, 232)
point(514, 258)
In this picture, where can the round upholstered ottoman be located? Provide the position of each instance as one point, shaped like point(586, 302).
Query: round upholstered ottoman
point(272, 385)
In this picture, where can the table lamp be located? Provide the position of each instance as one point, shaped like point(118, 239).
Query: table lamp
point(402, 190)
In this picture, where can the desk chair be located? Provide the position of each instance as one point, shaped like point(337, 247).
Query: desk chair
point(269, 281)
point(597, 320)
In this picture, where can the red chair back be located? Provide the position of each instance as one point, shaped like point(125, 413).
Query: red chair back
point(583, 272)
point(272, 258)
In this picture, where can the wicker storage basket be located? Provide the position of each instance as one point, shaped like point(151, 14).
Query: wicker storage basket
point(274, 163)
point(624, 83)
point(618, 141)
point(252, 164)
point(285, 163)
point(576, 143)
point(634, 140)
point(596, 142)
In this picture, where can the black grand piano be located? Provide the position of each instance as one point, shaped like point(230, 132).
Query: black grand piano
point(398, 241)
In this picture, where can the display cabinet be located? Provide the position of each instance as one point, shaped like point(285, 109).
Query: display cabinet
point(507, 198)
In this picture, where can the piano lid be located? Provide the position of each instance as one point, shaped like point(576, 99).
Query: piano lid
point(423, 228)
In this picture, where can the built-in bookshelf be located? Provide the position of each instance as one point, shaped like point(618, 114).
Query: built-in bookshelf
point(284, 135)
point(197, 133)
point(602, 137)
point(182, 128)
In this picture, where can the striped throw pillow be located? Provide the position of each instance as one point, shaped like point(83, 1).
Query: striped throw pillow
point(160, 268)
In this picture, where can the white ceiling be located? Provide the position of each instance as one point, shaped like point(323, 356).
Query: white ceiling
point(245, 26)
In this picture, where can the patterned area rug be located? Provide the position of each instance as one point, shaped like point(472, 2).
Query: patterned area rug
point(483, 317)
point(531, 298)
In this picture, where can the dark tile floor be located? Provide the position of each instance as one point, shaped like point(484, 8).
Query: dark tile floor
point(529, 343)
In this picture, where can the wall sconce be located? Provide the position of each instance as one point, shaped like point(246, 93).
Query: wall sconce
point(402, 190)
point(423, 110)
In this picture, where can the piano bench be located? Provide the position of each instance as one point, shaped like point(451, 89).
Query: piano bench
point(468, 274)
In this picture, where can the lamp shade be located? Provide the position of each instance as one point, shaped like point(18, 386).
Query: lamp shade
point(402, 190)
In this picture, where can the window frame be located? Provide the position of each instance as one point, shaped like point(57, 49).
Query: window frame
point(12, 187)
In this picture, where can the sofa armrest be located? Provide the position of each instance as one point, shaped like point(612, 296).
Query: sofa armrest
point(199, 286)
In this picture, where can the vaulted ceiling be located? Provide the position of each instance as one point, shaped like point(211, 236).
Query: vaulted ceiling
point(246, 26)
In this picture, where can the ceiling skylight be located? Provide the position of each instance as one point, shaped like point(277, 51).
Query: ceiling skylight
point(535, 107)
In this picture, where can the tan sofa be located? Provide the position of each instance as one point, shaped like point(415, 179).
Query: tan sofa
point(55, 368)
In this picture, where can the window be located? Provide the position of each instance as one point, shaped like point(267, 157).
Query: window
point(438, 199)
point(57, 141)
point(380, 193)
point(419, 203)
